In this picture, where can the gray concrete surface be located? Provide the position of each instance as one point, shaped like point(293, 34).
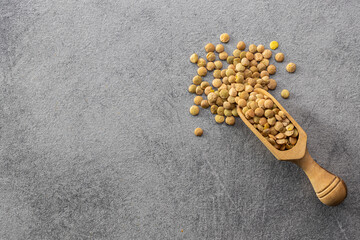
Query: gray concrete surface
point(96, 138)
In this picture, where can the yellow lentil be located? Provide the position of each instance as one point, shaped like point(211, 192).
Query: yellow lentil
point(274, 45)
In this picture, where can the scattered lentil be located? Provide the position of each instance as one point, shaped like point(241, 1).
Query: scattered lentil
point(209, 47)
point(234, 87)
point(219, 118)
point(210, 66)
point(213, 109)
point(194, 58)
point(202, 71)
point(279, 57)
point(192, 88)
point(198, 99)
point(252, 48)
point(219, 48)
point(260, 48)
point(204, 104)
point(197, 80)
point(204, 85)
point(291, 67)
point(208, 90)
point(218, 65)
point(230, 120)
point(223, 55)
point(198, 132)
point(194, 110)
point(285, 93)
point(241, 45)
point(267, 53)
point(199, 90)
point(210, 56)
point(201, 62)
point(271, 69)
point(274, 45)
point(224, 37)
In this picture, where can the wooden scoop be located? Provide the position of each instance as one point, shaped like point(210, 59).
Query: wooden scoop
point(330, 189)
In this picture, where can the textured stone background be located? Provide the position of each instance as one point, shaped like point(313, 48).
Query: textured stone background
point(96, 141)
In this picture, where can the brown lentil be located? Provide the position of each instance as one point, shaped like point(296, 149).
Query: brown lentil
point(219, 118)
point(272, 84)
point(194, 110)
point(198, 132)
point(219, 48)
point(210, 66)
point(241, 45)
point(230, 120)
point(197, 100)
point(204, 104)
point(209, 47)
point(192, 88)
point(279, 57)
point(213, 109)
point(204, 84)
point(291, 67)
point(285, 93)
point(252, 48)
point(199, 90)
point(271, 69)
point(218, 64)
point(210, 56)
point(223, 55)
point(194, 58)
point(202, 71)
point(201, 62)
point(224, 37)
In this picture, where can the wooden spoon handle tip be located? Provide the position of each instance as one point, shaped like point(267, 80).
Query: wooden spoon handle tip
point(330, 189)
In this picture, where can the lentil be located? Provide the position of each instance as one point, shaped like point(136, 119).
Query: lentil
point(230, 120)
point(223, 55)
point(194, 110)
point(252, 48)
point(271, 69)
point(198, 132)
point(201, 62)
point(224, 37)
point(219, 118)
point(274, 45)
point(291, 67)
point(197, 80)
point(219, 48)
point(241, 45)
point(267, 53)
point(213, 109)
point(192, 88)
point(202, 71)
point(194, 58)
point(199, 90)
point(210, 66)
point(204, 104)
point(218, 64)
point(279, 57)
point(210, 56)
point(285, 93)
point(209, 47)
point(197, 100)
point(204, 85)
point(260, 48)
point(272, 84)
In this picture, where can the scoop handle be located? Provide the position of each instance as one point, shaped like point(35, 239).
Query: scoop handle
point(329, 188)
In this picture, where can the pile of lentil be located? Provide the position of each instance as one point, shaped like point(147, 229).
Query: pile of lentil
point(234, 86)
